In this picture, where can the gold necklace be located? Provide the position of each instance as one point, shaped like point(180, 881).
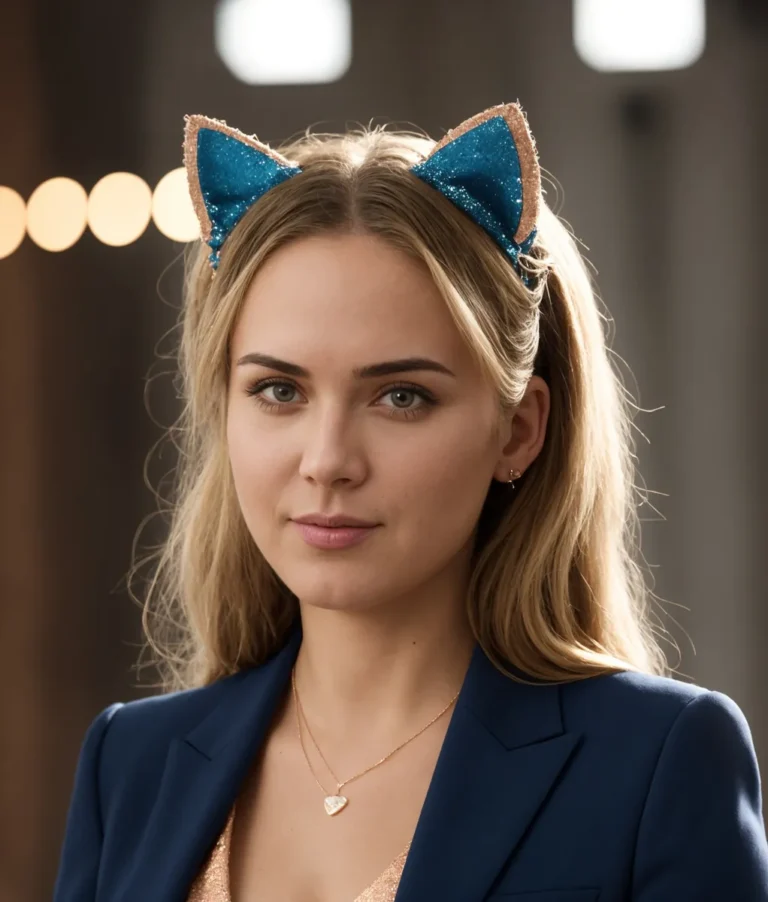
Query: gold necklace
point(336, 803)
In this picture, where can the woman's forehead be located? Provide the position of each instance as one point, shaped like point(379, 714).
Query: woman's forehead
point(333, 265)
point(349, 294)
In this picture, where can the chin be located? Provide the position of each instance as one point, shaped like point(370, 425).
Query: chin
point(335, 594)
point(346, 605)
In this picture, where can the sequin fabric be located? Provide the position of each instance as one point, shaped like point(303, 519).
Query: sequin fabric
point(212, 883)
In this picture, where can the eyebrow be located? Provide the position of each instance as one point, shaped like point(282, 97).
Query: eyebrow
point(386, 368)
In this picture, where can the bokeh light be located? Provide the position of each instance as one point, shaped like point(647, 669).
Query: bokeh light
point(13, 224)
point(172, 208)
point(119, 208)
point(57, 214)
point(639, 35)
point(267, 42)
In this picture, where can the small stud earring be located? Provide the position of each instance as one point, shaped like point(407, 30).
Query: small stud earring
point(513, 475)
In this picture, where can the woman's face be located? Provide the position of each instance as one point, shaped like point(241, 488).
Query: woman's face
point(412, 451)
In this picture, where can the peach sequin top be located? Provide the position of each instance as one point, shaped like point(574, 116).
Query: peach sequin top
point(212, 883)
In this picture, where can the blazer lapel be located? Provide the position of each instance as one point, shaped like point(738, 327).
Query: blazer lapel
point(203, 774)
point(503, 751)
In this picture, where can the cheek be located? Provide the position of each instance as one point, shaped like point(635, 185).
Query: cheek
point(254, 469)
point(439, 496)
point(242, 452)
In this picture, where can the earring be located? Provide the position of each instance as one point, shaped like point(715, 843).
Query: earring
point(513, 475)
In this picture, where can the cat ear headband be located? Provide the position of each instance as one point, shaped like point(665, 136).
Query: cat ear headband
point(487, 167)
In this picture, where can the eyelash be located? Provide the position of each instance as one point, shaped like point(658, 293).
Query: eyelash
point(396, 412)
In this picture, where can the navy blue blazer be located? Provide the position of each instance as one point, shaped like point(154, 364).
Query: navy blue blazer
point(616, 788)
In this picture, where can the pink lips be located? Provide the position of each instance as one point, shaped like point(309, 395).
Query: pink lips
point(333, 536)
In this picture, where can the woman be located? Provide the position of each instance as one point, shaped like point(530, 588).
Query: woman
point(412, 658)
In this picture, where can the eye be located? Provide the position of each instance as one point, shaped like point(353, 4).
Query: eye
point(427, 400)
point(257, 391)
point(282, 403)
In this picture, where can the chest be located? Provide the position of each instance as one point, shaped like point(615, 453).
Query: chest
point(284, 845)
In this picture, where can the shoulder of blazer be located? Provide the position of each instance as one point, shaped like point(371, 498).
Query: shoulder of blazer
point(141, 731)
point(627, 702)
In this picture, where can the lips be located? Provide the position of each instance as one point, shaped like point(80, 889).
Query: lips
point(331, 537)
point(333, 521)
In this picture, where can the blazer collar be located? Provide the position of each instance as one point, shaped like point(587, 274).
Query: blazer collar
point(504, 748)
point(247, 704)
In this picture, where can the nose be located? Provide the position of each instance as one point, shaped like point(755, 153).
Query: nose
point(331, 457)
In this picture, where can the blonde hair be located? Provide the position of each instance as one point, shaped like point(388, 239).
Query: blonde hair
point(555, 588)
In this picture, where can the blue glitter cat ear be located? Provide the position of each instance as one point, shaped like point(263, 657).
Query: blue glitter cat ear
point(227, 172)
point(488, 167)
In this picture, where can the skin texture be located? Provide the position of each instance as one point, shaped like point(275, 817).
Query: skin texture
point(386, 643)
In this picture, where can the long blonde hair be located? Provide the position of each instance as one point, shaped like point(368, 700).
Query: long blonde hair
point(556, 589)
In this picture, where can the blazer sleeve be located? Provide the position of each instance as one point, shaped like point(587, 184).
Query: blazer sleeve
point(702, 835)
point(81, 849)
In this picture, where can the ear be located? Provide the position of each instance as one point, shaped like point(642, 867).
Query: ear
point(488, 167)
point(227, 172)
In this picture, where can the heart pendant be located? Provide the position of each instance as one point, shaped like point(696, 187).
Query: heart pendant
point(334, 804)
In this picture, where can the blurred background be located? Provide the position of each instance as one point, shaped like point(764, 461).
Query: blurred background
point(651, 115)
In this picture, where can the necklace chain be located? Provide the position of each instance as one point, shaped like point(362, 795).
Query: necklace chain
point(300, 711)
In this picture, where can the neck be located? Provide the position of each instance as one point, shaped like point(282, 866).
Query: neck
point(383, 674)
